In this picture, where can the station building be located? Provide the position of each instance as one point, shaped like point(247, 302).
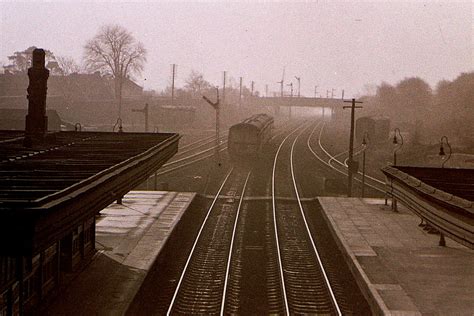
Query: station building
point(53, 184)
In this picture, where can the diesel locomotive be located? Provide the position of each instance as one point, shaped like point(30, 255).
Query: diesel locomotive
point(247, 139)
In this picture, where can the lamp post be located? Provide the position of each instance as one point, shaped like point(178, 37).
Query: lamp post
point(397, 147)
point(442, 241)
point(364, 144)
point(441, 150)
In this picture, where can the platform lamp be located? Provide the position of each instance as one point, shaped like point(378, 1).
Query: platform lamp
point(364, 144)
point(397, 146)
point(441, 150)
point(442, 241)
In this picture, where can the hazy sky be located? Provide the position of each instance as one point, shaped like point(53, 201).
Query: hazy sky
point(342, 45)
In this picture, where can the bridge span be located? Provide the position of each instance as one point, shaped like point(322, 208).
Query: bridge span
point(263, 102)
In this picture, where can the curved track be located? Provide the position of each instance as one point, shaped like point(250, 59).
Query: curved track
point(305, 285)
point(337, 165)
point(254, 252)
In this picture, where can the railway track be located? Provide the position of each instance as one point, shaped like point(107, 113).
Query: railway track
point(213, 278)
point(305, 285)
point(216, 278)
point(203, 282)
point(254, 252)
point(335, 163)
point(192, 154)
point(198, 151)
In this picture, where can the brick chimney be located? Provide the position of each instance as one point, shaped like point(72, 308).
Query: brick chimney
point(36, 119)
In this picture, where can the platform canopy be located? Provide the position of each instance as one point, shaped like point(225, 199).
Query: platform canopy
point(443, 197)
point(48, 189)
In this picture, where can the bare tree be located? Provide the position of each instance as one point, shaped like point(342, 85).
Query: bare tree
point(196, 83)
point(68, 65)
point(68, 84)
point(116, 52)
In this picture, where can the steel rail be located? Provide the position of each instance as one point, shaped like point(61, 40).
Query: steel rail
point(327, 153)
point(280, 264)
point(192, 156)
point(198, 144)
point(170, 308)
point(201, 140)
point(326, 279)
point(283, 129)
point(165, 171)
point(227, 273)
point(331, 158)
point(186, 164)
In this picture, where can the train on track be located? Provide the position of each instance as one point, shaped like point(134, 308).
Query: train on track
point(247, 139)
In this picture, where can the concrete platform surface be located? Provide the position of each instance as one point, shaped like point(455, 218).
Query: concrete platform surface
point(129, 238)
point(398, 265)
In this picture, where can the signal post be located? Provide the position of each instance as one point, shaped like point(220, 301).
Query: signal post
point(216, 107)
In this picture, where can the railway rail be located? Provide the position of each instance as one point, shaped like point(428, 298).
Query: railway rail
point(254, 252)
point(211, 280)
point(191, 155)
point(305, 285)
point(203, 282)
point(332, 161)
point(194, 152)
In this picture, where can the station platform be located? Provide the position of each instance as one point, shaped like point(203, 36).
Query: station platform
point(129, 238)
point(398, 265)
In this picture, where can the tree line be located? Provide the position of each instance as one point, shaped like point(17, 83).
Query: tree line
point(115, 53)
point(428, 113)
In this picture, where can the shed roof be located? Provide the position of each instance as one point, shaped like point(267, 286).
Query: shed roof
point(47, 190)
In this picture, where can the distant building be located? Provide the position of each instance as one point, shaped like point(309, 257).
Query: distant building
point(14, 119)
point(84, 98)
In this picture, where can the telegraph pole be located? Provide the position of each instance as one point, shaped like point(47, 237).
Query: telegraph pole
point(332, 93)
point(223, 89)
point(266, 90)
point(240, 93)
point(291, 96)
point(352, 165)
point(172, 84)
point(252, 85)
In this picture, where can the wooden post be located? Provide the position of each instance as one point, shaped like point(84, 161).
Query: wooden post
point(350, 162)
